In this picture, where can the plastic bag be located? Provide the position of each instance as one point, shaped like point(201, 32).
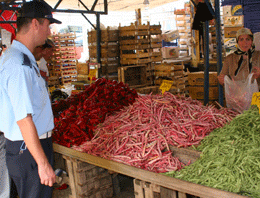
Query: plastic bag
point(239, 93)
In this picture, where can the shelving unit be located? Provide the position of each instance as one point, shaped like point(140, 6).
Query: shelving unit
point(64, 59)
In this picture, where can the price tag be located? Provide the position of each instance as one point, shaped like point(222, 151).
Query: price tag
point(256, 100)
point(92, 73)
point(166, 85)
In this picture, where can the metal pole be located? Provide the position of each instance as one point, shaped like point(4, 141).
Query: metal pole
point(98, 43)
point(206, 63)
point(219, 50)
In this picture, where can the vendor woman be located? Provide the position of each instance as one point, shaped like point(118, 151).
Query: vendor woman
point(243, 61)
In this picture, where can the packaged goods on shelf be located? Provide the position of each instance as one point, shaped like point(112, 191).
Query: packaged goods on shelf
point(64, 59)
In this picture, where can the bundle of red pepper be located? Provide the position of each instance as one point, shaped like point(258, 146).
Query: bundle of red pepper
point(76, 117)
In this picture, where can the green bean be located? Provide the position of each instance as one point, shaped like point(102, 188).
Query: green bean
point(230, 158)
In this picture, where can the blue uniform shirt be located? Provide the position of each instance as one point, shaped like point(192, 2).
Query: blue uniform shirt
point(22, 92)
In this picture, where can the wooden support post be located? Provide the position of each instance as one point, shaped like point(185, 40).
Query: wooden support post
point(165, 192)
point(71, 176)
point(138, 188)
point(182, 195)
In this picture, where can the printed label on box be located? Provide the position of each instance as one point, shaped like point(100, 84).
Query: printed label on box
point(234, 21)
point(236, 10)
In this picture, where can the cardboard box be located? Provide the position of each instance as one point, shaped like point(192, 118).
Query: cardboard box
point(197, 78)
point(232, 10)
point(170, 52)
point(196, 92)
point(170, 35)
point(230, 45)
point(227, 10)
point(234, 21)
point(230, 32)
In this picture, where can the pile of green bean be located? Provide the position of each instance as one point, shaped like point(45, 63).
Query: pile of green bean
point(230, 158)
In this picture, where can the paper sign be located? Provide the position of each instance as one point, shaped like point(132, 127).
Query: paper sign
point(256, 100)
point(166, 85)
point(92, 73)
point(6, 37)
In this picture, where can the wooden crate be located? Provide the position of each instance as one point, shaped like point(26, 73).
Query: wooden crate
point(107, 35)
point(87, 180)
point(109, 69)
point(148, 90)
point(197, 78)
point(134, 76)
point(106, 51)
point(82, 68)
point(144, 189)
point(196, 92)
point(53, 81)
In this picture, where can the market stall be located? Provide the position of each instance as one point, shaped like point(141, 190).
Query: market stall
point(182, 187)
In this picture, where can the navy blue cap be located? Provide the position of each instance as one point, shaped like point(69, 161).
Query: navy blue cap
point(37, 9)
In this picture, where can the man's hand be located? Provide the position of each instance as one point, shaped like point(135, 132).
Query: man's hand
point(221, 79)
point(31, 139)
point(46, 174)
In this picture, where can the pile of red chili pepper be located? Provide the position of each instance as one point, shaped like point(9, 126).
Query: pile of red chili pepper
point(76, 117)
point(139, 135)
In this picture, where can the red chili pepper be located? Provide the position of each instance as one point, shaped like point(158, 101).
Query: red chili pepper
point(62, 187)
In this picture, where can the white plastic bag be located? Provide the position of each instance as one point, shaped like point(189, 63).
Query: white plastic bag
point(239, 94)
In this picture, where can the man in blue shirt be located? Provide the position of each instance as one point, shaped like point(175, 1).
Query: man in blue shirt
point(26, 117)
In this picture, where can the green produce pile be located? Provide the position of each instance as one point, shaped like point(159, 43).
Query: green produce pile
point(230, 158)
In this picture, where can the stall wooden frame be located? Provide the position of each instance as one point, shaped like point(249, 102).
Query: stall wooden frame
point(181, 186)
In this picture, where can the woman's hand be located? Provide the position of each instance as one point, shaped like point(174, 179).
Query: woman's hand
point(221, 79)
point(256, 72)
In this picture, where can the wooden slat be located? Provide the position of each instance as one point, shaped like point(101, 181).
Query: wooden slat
point(182, 195)
point(138, 188)
point(165, 192)
point(158, 179)
point(71, 176)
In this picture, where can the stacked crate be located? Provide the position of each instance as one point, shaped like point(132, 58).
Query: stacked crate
point(135, 57)
point(196, 86)
point(64, 58)
point(233, 21)
point(213, 40)
point(109, 50)
point(183, 25)
point(174, 72)
point(87, 180)
point(155, 52)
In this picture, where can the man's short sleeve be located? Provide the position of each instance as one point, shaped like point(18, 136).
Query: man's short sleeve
point(20, 91)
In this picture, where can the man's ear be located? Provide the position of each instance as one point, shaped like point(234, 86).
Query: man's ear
point(35, 24)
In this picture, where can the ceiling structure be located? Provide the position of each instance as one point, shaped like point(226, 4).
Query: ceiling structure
point(113, 5)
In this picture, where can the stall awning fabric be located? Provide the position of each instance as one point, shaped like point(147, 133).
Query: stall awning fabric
point(8, 15)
